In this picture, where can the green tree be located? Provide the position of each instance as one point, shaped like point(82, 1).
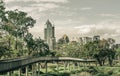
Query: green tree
point(2, 11)
point(101, 51)
point(41, 48)
point(118, 52)
point(71, 49)
point(29, 43)
point(20, 23)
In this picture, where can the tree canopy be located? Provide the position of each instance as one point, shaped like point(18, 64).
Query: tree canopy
point(15, 38)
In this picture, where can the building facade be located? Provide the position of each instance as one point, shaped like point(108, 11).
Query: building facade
point(49, 35)
point(84, 40)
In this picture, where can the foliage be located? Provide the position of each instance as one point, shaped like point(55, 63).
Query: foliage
point(71, 49)
point(16, 40)
point(118, 53)
point(41, 48)
point(102, 50)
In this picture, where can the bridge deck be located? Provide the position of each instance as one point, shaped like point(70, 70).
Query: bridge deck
point(12, 64)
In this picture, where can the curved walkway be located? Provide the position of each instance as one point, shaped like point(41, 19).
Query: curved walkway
point(12, 64)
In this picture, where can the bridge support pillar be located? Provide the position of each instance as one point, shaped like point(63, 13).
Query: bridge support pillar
point(78, 64)
point(10, 73)
point(73, 66)
point(46, 67)
point(34, 70)
point(38, 69)
point(19, 72)
point(57, 68)
point(64, 67)
point(26, 71)
point(68, 66)
point(84, 64)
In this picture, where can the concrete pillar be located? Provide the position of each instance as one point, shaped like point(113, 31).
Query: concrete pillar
point(73, 66)
point(10, 73)
point(68, 66)
point(78, 64)
point(64, 67)
point(84, 64)
point(46, 67)
point(38, 69)
point(19, 72)
point(34, 70)
point(57, 68)
point(26, 69)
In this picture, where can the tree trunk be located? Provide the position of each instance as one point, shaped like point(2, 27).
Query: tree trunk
point(110, 61)
point(99, 61)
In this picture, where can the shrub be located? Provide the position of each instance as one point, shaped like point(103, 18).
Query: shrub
point(110, 72)
point(93, 70)
point(64, 74)
point(101, 74)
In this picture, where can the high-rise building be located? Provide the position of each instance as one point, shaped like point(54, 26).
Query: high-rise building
point(86, 40)
point(49, 35)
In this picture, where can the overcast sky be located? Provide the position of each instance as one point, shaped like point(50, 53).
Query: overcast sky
point(76, 18)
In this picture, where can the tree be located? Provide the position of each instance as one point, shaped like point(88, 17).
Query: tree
point(19, 22)
point(29, 43)
point(100, 51)
point(118, 52)
point(3, 46)
point(16, 24)
point(41, 48)
point(2, 11)
point(71, 49)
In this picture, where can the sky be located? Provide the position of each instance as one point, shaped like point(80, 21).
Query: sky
point(76, 18)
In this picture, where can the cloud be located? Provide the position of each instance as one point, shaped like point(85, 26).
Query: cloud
point(56, 1)
point(46, 6)
point(105, 29)
point(33, 9)
point(86, 8)
point(109, 15)
point(84, 29)
point(40, 7)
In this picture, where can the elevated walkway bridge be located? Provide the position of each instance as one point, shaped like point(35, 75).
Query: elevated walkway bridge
point(9, 65)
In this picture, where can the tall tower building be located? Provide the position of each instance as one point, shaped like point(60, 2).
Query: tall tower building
point(49, 35)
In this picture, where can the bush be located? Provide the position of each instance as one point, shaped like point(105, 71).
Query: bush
point(53, 74)
point(93, 70)
point(101, 74)
point(64, 74)
point(73, 72)
point(110, 72)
